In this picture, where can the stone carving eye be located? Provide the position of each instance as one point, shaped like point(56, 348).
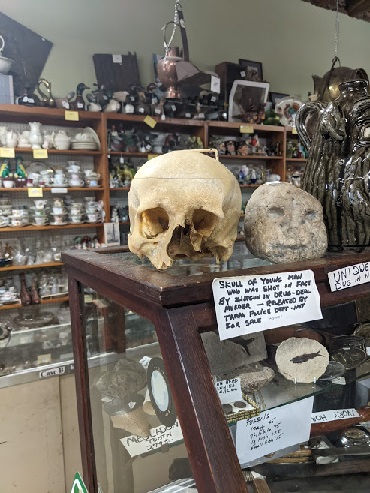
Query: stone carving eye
point(275, 212)
point(311, 215)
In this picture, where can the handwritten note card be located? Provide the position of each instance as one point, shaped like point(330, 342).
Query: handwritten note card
point(248, 304)
point(273, 430)
point(229, 390)
point(349, 276)
point(136, 445)
point(332, 415)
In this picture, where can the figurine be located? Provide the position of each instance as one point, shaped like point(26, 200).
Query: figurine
point(79, 103)
point(45, 99)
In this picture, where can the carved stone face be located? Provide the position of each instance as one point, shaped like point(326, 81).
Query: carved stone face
point(183, 203)
point(284, 224)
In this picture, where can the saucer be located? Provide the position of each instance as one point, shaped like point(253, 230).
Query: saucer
point(59, 224)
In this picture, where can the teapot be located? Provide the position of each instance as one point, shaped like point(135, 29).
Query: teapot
point(61, 140)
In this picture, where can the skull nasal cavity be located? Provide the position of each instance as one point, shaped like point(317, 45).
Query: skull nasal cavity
point(154, 222)
point(204, 221)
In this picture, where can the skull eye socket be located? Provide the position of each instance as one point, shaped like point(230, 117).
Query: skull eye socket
point(275, 212)
point(204, 221)
point(154, 222)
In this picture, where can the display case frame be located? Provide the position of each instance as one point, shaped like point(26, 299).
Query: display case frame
point(180, 307)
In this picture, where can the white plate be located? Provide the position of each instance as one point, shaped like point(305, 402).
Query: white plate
point(59, 224)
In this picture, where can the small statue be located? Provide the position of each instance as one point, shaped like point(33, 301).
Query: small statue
point(46, 99)
point(78, 103)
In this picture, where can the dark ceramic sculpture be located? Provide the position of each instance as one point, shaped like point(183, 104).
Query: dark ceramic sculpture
point(337, 173)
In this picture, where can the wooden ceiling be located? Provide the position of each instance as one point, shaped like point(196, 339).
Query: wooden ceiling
point(359, 9)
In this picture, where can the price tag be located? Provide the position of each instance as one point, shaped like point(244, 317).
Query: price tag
point(40, 153)
point(339, 381)
point(35, 192)
point(150, 121)
point(242, 73)
point(44, 359)
point(229, 390)
point(152, 156)
point(294, 131)
point(117, 59)
point(59, 190)
point(215, 84)
point(7, 152)
point(72, 116)
point(88, 298)
point(246, 129)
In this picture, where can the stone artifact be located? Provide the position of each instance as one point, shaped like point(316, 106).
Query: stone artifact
point(301, 360)
point(337, 172)
point(183, 203)
point(228, 359)
point(284, 224)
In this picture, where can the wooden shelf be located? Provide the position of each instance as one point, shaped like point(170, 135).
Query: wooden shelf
point(296, 160)
point(15, 112)
point(77, 152)
point(237, 125)
point(131, 154)
point(50, 189)
point(250, 156)
point(30, 267)
point(51, 227)
point(120, 189)
point(14, 306)
point(166, 122)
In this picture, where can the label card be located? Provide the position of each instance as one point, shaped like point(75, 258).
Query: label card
point(59, 190)
point(72, 116)
point(40, 153)
point(44, 359)
point(247, 304)
point(52, 372)
point(349, 276)
point(332, 415)
point(229, 390)
point(117, 59)
point(150, 121)
point(215, 84)
point(246, 129)
point(294, 131)
point(7, 152)
point(162, 435)
point(273, 430)
point(35, 192)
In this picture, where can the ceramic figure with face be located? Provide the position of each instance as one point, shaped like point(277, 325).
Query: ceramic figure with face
point(284, 224)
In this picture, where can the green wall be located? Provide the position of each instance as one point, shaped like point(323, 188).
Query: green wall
point(291, 38)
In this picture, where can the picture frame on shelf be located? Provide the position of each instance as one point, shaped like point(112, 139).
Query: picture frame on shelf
point(275, 97)
point(253, 70)
point(246, 97)
point(111, 234)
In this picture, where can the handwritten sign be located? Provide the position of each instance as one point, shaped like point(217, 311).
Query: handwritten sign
point(273, 430)
point(229, 390)
point(7, 152)
point(71, 116)
point(246, 129)
point(162, 435)
point(40, 153)
point(248, 304)
point(349, 276)
point(150, 121)
point(332, 415)
point(35, 192)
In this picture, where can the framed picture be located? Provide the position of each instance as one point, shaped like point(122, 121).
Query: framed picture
point(275, 97)
point(246, 97)
point(253, 70)
point(111, 234)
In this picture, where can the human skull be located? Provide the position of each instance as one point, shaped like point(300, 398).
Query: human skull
point(284, 223)
point(183, 203)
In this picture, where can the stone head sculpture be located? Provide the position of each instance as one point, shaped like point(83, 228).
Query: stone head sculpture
point(284, 224)
point(183, 203)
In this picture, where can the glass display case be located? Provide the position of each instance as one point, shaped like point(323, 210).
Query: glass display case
point(150, 416)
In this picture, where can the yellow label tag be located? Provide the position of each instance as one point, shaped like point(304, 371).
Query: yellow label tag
point(294, 131)
point(40, 153)
point(246, 129)
point(72, 116)
point(150, 121)
point(88, 298)
point(7, 152)
point(35, 192)
point(151, 156)
point(44, 359)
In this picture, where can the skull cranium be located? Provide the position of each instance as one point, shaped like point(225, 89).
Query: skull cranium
point(183, 203)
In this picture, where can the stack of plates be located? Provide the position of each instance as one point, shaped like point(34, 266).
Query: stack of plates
point(85, 145)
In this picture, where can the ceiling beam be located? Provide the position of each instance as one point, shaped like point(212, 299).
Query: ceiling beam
point(358, 7)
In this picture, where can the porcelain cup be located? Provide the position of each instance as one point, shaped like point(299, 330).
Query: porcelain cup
point(76, 183)
point(8, 183)
point(40, 204)
point(73, 167)
point(59, 179)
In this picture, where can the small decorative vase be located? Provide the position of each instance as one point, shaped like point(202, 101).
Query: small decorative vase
point(35, 136)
